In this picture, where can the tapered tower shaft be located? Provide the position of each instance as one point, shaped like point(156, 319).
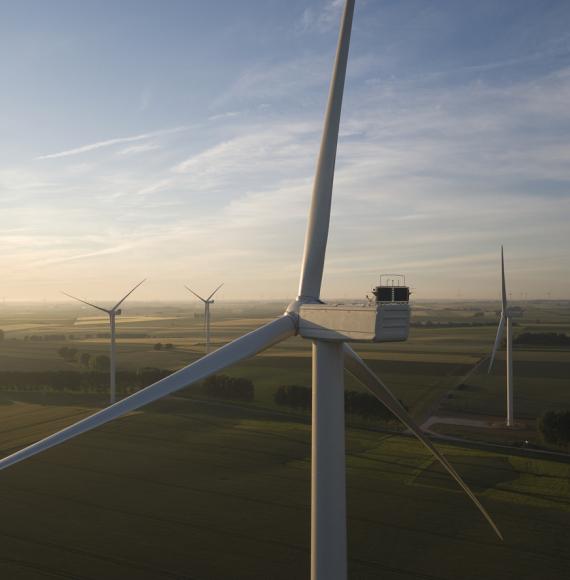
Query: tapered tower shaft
point(112, 360)
point(207, 325)
point(510, 385)
point(328, 478)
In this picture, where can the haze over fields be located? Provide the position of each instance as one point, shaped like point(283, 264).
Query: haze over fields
point(179, 142)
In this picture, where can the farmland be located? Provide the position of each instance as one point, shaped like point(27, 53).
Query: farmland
point(428, 372)
point(187, 490)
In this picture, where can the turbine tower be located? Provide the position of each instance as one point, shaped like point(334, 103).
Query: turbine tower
point(505, 321)
point(207, 302)
point(112, 313)
point(329, 327)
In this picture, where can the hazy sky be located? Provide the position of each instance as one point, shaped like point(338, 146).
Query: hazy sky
point(177, 141)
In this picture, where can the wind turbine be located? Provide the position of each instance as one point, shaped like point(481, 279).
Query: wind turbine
point(207, 302)
point(505, 320)
point(113, 313)
point(309, 317)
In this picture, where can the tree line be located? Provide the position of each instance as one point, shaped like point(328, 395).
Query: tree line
point(63, 337)
point(543, 339)
point(450, 324)
point(99, 363)
point(77, 381)
point(226, 387)
point(355, 402)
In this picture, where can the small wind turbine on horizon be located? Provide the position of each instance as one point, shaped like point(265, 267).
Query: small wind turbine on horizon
point(112, 313)
point(207, 302)
point(505, 321)
point(325, 325)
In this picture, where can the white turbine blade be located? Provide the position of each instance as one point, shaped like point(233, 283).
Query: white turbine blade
point(85, 302)
point(358, 368)
point(499, 337)
point(319, 215)
point(197, 295)
point(127, 295)
point(504, 286)
point(210, 296)
point(236, 351)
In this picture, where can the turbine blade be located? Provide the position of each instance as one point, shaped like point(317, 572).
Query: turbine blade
point(210, 296)
point(85, 302)
point(504, 286)
point(498, 338)
point(236, 351)
point(127, 295)
point(358, 368)
point(197, 295)
point(319, 214)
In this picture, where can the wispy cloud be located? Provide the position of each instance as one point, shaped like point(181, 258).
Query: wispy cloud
point(81, 256)
point(258, 156)
point(111, 142)
point(446, 150)
point(270, 80)
point(223, 116)
point(136, 149)
point(322, 18)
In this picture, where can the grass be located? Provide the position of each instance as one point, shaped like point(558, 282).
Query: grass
point(184, 491)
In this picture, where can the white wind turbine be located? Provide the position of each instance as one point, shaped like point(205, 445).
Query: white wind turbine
point(309, 317)
point(207, 302)
point(112, 313)
point(505, 320)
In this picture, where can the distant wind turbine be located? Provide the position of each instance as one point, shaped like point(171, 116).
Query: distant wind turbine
point(505, 321)
point(113, 313)
point(329, 327)
point(207, 302)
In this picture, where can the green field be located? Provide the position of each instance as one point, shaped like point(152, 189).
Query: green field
point(186, 490)
point(424, 372)
point(190, 489)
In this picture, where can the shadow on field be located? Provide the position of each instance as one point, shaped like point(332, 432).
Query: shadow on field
point(480, 473)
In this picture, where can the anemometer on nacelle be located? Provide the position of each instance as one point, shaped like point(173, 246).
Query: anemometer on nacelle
point(385, 319)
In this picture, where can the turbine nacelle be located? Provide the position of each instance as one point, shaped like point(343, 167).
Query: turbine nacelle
point(355, 322)
point(387, 319)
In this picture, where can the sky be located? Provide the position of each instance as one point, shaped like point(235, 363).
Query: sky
point(177, 141)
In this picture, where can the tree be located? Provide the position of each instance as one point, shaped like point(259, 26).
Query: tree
point(169, 346)
point(158, 346)
point(225, 387)
point(1, 335)
point(555, 427)
point(101, 363)
point(67, 353)
point(84, 359)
